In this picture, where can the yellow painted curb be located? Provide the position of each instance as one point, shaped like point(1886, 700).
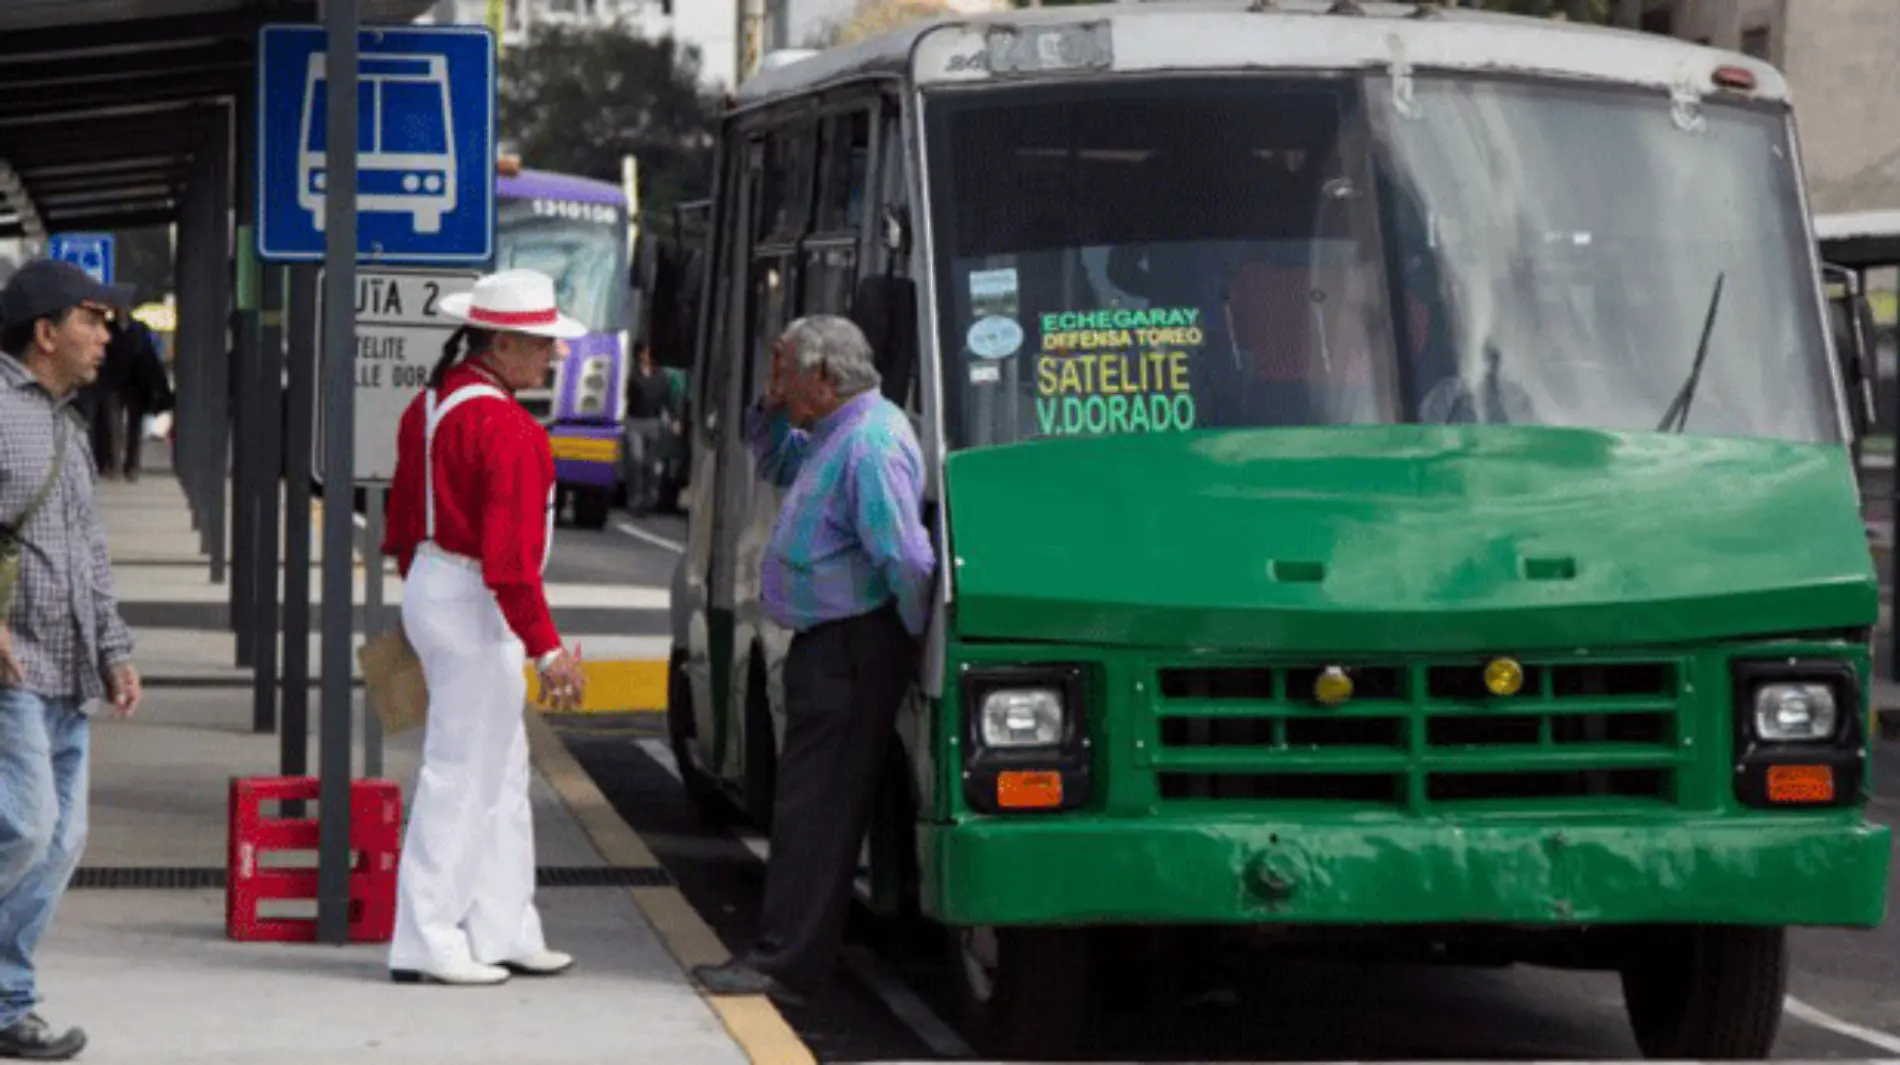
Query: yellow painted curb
point(755, 1024)
point(613, 687)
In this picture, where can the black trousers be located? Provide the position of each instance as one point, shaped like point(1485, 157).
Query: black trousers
point(844, 682)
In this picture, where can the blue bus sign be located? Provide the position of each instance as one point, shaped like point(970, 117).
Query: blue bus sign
point(425, 141)
point(91, 252)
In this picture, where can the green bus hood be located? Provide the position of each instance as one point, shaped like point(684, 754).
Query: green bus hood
point(1405, 538)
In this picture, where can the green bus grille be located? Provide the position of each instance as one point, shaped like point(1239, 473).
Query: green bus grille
point(1422, 736)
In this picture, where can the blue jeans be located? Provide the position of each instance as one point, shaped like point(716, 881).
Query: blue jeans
point(43, 779)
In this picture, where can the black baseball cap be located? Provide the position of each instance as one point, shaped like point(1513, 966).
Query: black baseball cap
point(48, 286)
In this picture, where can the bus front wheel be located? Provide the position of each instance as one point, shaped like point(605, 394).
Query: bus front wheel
point(1707, 993)
point(1022, 992)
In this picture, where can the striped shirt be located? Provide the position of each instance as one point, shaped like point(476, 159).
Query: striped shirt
point(850, 535)
point(67, 632)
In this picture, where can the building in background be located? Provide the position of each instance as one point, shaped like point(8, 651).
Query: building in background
point(1838, 57)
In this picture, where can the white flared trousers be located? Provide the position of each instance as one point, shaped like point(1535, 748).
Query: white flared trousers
point(465, 889)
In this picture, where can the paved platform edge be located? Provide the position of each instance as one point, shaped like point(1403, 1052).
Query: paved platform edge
point(754, 1023)
point(613, 687)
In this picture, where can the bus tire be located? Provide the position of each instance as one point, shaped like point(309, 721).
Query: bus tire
point(682, 731)
point(1021, 992)
point(592, 507)
point(1710, 993)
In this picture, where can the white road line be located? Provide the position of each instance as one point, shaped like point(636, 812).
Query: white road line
point(903, 1003)
point(659, 751)
point(916, 1014)
point(653, 538)
point(1799, 1009)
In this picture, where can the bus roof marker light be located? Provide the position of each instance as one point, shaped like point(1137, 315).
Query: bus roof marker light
point(1740, 79)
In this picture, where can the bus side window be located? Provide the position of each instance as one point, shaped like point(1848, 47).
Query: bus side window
point(790, 163)
point(892, 200)
point(830, 252)
point(740, 199)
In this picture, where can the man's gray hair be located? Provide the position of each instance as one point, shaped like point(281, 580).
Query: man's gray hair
point(837, 345)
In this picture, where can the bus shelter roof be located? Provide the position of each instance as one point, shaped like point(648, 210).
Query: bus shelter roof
point(1859, 239)
point(103, 103)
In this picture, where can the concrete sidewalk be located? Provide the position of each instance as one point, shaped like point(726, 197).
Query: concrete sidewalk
point(139, 957)
point(148, 971)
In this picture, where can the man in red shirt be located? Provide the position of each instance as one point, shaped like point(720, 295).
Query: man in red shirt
point(471, 521)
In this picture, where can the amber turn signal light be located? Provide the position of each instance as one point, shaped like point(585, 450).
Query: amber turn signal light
point(1800, 783)
point(1020, 789)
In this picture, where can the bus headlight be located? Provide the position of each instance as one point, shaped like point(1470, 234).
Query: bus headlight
point(1025, 732)
point(1799, 741)
point(1022, 717)
point(591, 396)
point(1790, 712)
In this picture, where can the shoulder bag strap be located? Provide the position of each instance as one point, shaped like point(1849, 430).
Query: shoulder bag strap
point(52, 478)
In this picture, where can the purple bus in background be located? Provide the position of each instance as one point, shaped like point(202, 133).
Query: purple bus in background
point(574, 230)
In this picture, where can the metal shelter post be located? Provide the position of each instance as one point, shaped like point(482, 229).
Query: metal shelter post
point(249, 423)
point(210, 239)
point(373, 617)
point(217, 280)
point(339, 420)
point(299, 436)
point(267, 415)
point(187, 350)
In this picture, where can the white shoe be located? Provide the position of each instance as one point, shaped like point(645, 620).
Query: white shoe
point(463, 974)
point(540, 963)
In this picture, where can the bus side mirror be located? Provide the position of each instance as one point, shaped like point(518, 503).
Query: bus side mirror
point(1867, 357)
point(885, 308)
point(1852, 320)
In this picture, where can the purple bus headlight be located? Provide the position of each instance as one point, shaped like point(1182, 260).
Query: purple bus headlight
point(591, 397)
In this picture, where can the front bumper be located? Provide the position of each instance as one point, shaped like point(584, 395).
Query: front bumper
point(1828, 870)
point(586, 455)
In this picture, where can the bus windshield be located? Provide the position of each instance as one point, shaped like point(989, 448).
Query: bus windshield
point(581, 246)
point(1175, 254)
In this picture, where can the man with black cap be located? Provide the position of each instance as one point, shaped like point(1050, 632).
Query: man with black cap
point(63, 645)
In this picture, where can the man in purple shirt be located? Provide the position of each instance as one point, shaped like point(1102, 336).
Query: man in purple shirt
point(848, 570)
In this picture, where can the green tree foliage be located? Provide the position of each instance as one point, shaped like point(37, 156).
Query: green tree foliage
point(575, 100)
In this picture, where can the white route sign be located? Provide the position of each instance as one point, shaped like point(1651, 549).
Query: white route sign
point(400, 330)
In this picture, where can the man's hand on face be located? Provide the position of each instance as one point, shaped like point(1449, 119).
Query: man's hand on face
point(781, 377)
point(125, 690)
point(11, 672)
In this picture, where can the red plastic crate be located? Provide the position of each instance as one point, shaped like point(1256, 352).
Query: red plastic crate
point(375, 847)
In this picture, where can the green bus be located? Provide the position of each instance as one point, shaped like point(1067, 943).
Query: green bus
point(1390, 469)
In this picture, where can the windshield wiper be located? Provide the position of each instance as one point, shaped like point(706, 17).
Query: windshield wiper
point(1678, 412)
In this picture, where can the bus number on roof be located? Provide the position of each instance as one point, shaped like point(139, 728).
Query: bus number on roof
point(1038, 50)
point(597, 213)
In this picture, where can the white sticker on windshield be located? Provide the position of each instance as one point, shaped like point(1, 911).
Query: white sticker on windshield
point(985, 373)
point(995, 338)
point(992, 285)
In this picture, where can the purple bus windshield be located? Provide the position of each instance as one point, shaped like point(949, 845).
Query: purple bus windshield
point(575, 231)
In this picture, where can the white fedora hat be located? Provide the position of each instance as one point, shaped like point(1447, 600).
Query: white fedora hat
point(513, 301)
